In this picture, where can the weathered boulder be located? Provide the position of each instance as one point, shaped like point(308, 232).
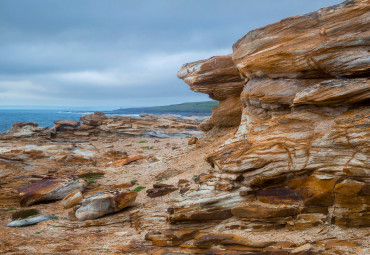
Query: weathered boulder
point(48, 190)
point(218, 78)
point(95, 119)
point(103, 203)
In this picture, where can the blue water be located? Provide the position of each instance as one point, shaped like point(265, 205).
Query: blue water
point(45, 118)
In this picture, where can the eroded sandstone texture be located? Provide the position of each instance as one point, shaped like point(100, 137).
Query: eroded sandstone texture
point(218, 78)
point(300, 157)
point(332, 42)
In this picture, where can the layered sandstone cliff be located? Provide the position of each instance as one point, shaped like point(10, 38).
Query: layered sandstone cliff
point(300, 157)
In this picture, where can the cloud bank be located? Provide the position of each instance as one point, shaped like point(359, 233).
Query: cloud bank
point(120, 53)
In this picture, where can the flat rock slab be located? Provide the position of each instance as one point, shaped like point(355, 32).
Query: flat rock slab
point(105, 202)
point(31, 221)
point(48, 190)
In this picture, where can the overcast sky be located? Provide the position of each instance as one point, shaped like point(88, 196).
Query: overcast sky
point(111, 53)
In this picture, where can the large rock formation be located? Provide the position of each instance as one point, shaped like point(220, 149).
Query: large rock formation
point(218, 78)
point(300, 157)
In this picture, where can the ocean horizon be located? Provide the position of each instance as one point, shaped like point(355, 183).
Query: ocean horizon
point(46, 118)
point(43, 117)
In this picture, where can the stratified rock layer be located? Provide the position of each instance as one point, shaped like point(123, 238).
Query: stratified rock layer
point(300, 157)
point(218, 78)
point(331, 42)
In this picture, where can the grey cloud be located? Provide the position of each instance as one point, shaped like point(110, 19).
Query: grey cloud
point(113, 52)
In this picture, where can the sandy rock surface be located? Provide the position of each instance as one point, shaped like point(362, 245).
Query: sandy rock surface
point(104, 161)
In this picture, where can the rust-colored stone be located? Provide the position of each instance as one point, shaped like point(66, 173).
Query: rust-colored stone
point(218, 78)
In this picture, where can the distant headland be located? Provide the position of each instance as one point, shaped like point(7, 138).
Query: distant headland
point(193, 108)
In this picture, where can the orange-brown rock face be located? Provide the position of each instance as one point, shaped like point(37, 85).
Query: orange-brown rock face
point(332, 42)
point(300, 157)
point(218, 78)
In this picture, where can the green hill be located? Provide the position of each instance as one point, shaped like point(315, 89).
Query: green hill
point(208, 105)
point(196, 108)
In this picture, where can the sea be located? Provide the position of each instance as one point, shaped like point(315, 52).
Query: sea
point(45, 118)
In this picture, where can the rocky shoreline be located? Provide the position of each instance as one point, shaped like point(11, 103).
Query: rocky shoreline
point(76, 172)
point(281, 166)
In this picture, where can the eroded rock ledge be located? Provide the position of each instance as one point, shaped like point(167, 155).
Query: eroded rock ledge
point(300, 157)
point(219, 78)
